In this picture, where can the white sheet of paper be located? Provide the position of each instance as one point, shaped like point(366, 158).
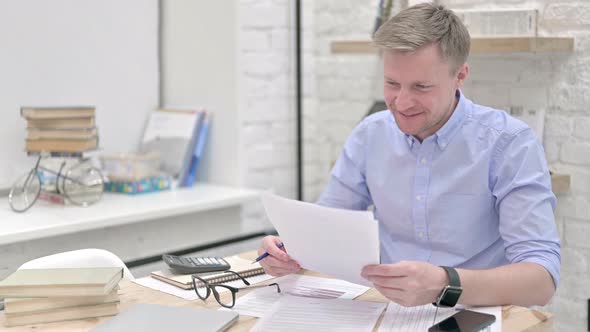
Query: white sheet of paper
point(189, 294)
point(416, 319)
point(335, 242)
point(259, 301)
point(419, 319)
point(292, 313)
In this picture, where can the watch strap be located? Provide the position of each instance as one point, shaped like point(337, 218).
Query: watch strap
point(453, 276)
point(449, 296)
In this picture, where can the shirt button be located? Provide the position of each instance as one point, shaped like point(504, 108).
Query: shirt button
point(418, 198)
point(423, 161)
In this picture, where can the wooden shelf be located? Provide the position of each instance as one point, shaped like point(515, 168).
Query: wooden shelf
point(560, 183)
point(478, 45)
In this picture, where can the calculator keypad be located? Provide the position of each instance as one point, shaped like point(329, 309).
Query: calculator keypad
point(196, 264)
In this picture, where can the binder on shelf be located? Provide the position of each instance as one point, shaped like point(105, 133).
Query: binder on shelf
point(190, 179)
point(169, 132)
point(186, 163)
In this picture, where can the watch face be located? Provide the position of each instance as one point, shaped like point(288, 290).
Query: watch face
point(450, 296)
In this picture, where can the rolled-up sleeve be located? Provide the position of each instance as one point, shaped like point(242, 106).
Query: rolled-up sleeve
point(525, 202)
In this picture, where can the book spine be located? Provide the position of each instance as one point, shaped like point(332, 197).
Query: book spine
point(184, 171)
point(198, 153)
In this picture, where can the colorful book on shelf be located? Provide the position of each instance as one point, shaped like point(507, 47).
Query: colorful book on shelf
point(35, 304)
point(62, 314)
point(244, 267)
point(58, 112)
point(146, 185)
point(198, 153)
point(169, 133)
point(94, 281)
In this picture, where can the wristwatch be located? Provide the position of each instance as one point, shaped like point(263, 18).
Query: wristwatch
point(451, 293)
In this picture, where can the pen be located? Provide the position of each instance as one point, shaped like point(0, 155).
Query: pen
point(263, 256)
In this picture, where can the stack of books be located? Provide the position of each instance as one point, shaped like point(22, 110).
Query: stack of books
point(50, 295)
point(60, 129)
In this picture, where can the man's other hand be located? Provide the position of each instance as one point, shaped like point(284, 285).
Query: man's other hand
point(407, 283)
point(278, 263)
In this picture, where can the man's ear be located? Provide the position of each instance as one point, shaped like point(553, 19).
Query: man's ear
point(462, 74)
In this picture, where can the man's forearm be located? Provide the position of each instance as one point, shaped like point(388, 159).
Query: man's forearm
point(524, 284)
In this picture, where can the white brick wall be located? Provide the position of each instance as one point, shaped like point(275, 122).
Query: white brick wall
point(338, 90)
point(267, 104)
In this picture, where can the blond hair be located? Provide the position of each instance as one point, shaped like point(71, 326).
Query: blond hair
point(424, 24)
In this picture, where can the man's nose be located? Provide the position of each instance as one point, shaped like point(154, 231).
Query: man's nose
point(403, 101)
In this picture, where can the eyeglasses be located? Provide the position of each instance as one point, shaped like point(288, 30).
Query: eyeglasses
point(207, 288)
point(77, 181)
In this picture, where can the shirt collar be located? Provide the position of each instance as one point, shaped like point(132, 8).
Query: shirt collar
point(452, 126)
point(410, 139)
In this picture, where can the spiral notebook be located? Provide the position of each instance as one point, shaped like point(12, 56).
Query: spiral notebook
point(242, 266)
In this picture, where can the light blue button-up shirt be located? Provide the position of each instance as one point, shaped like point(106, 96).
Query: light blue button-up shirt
point(476, 194)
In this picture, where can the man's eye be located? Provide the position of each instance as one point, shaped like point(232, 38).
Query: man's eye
point(422, 87)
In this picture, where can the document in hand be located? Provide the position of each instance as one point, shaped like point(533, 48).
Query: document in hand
point(332, 241)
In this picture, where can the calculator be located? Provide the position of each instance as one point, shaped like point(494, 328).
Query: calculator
point(190, 265)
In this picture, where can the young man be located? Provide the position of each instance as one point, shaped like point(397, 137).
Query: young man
point(462, 192)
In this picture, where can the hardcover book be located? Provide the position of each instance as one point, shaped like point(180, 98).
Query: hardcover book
point(61, 145)
point(34, 304)
point(59, 112)
point(35, 133)
point(95, 281)
point(63, 123)
point(62, 314)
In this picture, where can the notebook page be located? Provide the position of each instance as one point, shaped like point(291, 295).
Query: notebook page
point(292, 313)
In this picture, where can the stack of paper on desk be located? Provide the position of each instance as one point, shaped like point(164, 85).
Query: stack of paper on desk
point(257, 302)
point(308, 314)
point(332, 241)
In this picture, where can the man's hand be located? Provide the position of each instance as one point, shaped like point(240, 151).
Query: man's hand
point(278, 263)
point(407, 283)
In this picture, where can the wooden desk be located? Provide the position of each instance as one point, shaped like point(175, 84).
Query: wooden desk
point(514, 319)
